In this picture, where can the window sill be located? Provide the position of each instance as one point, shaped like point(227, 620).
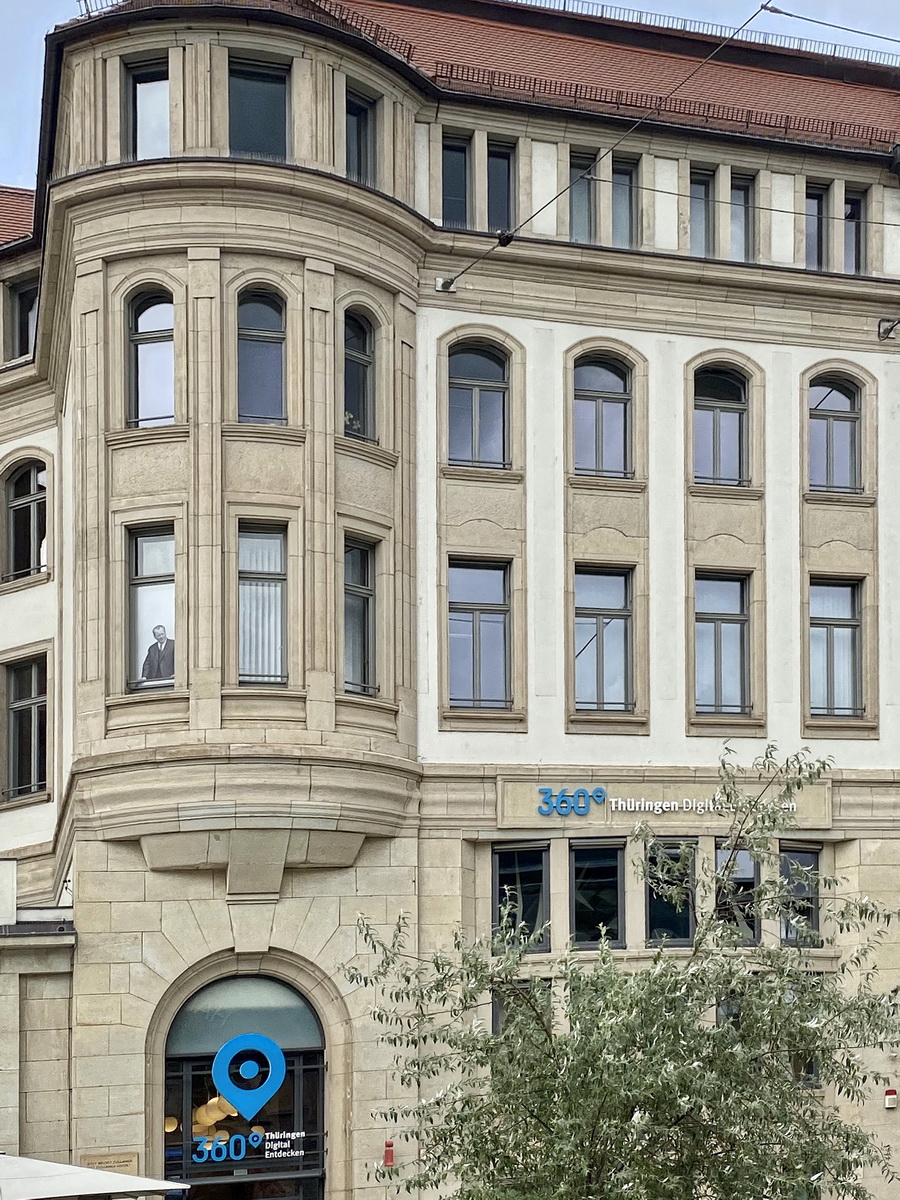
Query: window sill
point(143, 695)
point(605, 483)
point(367, 451)
point(262, 431)
point(844, 727)
point(485, 719)
point(607, 722)
point(482, 474)
point(724, 491)
point(361, 700)
point(138, 435)
point(264, 689)
point(725, 725)
point(23, 801)
point(8, 586)
point(851, 499)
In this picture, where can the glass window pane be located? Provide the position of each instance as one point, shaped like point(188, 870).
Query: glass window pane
point(356, 334)
point(600, 377)
point(587, 649)
point(623, 207)
point(499, 187)
point(356, 566)
point(730, 446)
point(357, 139)
point(615, 662)
point(843, 456)
point(356, 638)
point(455, 185)
point(22, 731)
point(154, 383)
point(520, 882)
point(585, 434)
point(260, 380)
point(154, 316)
point(818, 668)
point(356, 378)
point(491, 427)
point(477, 585)
point(481, 365)
point(832, 600)
point(152, 632)
point(257, 114)
point(24, 484)
point(261, 550)
point(581, 196)
point(26, 300)
point(845, 690)
point(700, 218)
point(818, 453)
point(663, 921)
point(155, 554)
point(22, 558)
point(261, 630)
point(594, 589)
point(815, 211)
point(732, 669)
point(492, 648)
point(595, 893)
point(21, 681)
point(834, 396)
point(260, 311)
point(741, 209)
point(704, 427)
point(614, 438)
point(462, 428)
point(462, 657)
point(719, 595)
point(151, 118)
point(719, 384)
point(705, 654)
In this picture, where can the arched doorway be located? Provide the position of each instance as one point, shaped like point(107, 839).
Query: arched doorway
point(244, 1111)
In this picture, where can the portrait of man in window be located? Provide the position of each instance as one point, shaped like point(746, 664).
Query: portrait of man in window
point(152, 606)
point(159, 665)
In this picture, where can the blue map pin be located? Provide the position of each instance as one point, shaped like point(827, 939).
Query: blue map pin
point(249, 1100)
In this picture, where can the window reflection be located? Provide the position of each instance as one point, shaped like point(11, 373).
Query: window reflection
point(26, 530)
point(149, 110)
point(479, 635)
point(602, 419)
point(261, 358)
point(257, 111)
point(478, 407)
point(152, 335)
point(359, 362)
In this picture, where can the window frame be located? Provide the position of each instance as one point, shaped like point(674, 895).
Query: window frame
point(475, 387)
point(704, 177)
point(498, 848)
point(785, 849)
point(250, 525)
point(365, 146)
point(718, 406)
point(34, 703)
point(266, 293)
point(717, 620)
point(154, 70)
point(855, 623)
point(368, 687)
point(249, 68)
point(133, 582)
point(625, 399)
point(755, 931)
point(830, 418)
point(626, 615)
point(575, 844)
point(463, 143)
point(145, 299)
point(35, 501)
point(475, 704)
point(500, 149)
point(367, 360)
point(860, 197)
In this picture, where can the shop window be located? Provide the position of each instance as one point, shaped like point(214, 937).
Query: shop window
point(522, 882)
point(26, 528)
point(597, 883)
point(360, 136)
point(359, 378)
point(261, 340)
point(257, 110)
point(603, 649)
point(455, 183)
point(148, 110)
point(26, 721)
point(479, 635)
point(262, 604)
point(244, 1093)
point(703, 224)
point(602, 417)
point(582, 221)
point(667, 921)
point(800, 872)
point(152, 608)
point(835, 667)
point(720, 427)
point(152, 338)
point(624, 203)
point(479, 396)
point(721, 645)
point(501, 159)
point(834, 435)
point(736, 892)
point(359, 618)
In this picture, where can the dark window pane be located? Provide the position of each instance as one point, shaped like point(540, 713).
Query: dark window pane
point(356, 335)
point(741, 221)
point(356, 639)
point(815, 221)
point(358, 138)
point(26, 299)
point(258, 113)
point(485, 366)
point(853, 234)
point(260, 380)
point(356, 375)
point(520, 882)
point(719, 385)
point(151, 116)
point(21, 681)
point(462, 424)
point(22, 729)
point(623, 206)
point(664, 921)
point(456, 184)
point(261, 311)
point(581, 200)
point(356, 566)
point(491, 427)
point(600, 377)
point(499, 187)
point(595, 893)
point(23, 551)
point(701, 220)
point(586, 435)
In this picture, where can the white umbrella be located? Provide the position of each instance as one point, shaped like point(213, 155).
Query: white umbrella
point(34, 1179)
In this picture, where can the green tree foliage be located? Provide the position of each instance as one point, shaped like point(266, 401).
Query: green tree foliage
point(723, 1071)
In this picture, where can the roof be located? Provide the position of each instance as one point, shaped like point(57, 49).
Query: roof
point(603, 63)
point(16, 213)
point(34, 1179)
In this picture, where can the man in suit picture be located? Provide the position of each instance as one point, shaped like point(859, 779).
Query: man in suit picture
point(160, 661)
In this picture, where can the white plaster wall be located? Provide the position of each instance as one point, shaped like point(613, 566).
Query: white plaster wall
point(783, 204)
point(544, 186)
point(666, 183)
point(667, 744)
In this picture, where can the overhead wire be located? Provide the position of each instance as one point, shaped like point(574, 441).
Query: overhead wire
point(506, 236)
point(781, 12)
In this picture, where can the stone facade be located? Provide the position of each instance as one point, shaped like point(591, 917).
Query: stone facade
point(225, 828)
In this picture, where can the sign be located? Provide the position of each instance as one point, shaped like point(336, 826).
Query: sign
point(125, 1163)
point(256, 1053)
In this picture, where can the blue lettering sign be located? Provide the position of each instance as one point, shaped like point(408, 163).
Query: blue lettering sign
point(565, 802)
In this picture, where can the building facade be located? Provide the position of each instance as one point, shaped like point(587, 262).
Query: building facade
point(341, 575)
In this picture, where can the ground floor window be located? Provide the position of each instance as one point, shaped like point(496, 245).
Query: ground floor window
point(244, 1109)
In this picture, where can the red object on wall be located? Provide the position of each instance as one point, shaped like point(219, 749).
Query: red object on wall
point(388, 1154)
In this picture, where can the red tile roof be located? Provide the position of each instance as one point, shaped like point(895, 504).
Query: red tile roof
point(16, 213)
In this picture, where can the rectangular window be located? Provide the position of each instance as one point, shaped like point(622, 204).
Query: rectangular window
point(24, 308)
point(148, 103)
point(800, 870)
point(479, 635)
point(603, 651)
point(624, 203)
point(581, 199)
point(26, 703)
point(500, 185)
point(455, 183)
point(152, 608)
point(597, 889)
point(257, 110)
point(721, 645)
point(360, 135)
point(816, 206)
point(741, 219)
point(666, 920)
point(521, 881)
point(835, 677)
point(738, 878)
point(509, 1000)
point(262, 604)
point(855, 233)
point(359, 618)
point(703, 238)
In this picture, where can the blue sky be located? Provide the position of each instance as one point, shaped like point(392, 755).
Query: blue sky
point(23, 26)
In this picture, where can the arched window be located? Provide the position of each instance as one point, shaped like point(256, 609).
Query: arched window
point(479, 406)
point(359, 378)
point(244, 1092)
point(152, 337)
point(834, 425)
point(720, 427)
point(602, 420)
point(261, 358)
point(26, 528)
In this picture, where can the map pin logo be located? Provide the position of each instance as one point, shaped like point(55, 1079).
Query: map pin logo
point(246, 1086)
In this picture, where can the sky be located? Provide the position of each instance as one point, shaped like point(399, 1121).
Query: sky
point(24, 23)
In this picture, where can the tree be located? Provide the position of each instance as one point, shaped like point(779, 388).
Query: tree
point(725, 1071)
